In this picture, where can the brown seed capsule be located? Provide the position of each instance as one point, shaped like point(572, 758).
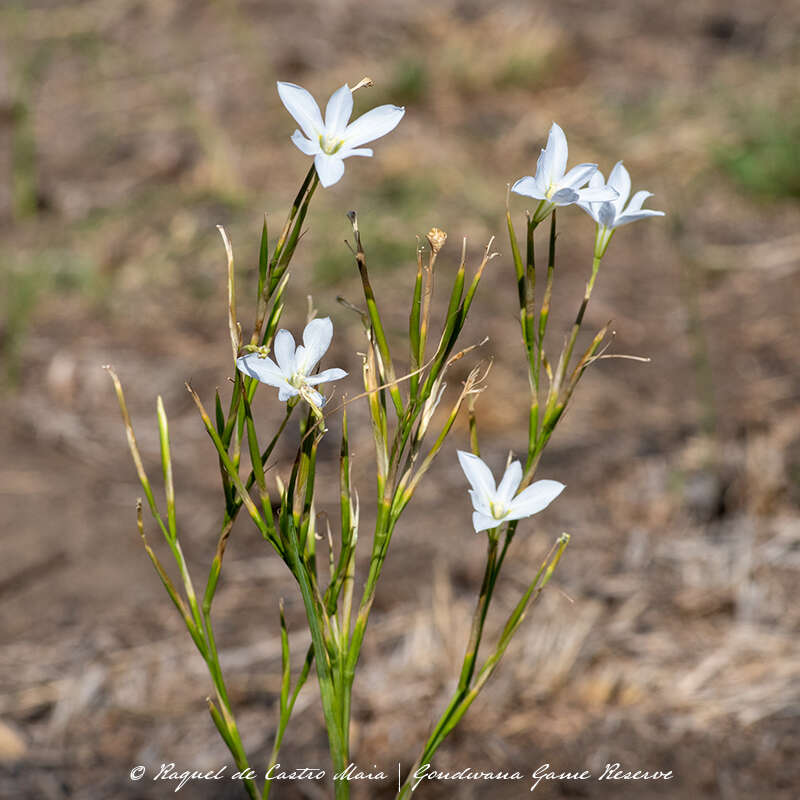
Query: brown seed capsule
point(436, 238)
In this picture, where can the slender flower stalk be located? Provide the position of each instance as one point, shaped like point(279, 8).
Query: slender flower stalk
point(609, 215)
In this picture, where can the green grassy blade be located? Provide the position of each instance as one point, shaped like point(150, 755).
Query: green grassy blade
point(413, 327)
point(166, 463)
point(263, 258)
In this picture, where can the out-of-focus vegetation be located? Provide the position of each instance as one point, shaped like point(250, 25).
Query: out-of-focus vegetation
point(765, 159)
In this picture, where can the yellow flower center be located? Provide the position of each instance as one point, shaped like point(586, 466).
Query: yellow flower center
point(330, 144)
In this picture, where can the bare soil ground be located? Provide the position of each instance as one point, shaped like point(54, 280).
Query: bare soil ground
point(669, 639)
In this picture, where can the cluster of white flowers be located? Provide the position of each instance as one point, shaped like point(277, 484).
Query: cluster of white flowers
point(585, 186)
point(336, 138)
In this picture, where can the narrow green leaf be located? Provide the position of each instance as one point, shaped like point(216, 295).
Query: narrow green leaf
point(219, 722)
point(233, 325)
point(413, 327)
point(375, 319)
point(219, 414)
point(234, 474)
point(311, 175)
point(285, 662)
point(255, 450)
point(263, 257)
point(344, 485)
point(166, 463)
point(261, 296)
point(274, 315)
point(134, 448)
point(177, 600)
point(520, 273)
point(283, 256)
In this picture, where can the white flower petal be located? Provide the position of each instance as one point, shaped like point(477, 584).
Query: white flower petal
point(482, 522)
point(553, 160)
point(529, 187)
point(313, 396)
point(338, 111)
point(596, 182)
point(479, 476)
point(591, 209)
point(578, 176)
point(620, 180)
point(310, 148)
point(607, 214)
point(536, 497)
point(302, 106)
point(333, 374)
point(509, 483)
point(637, 201)
point(564, 197)
point(598, 194)
point(317, 337)
point(262, 369)
point(480, 503)
point(372, 125)
point(541, 166)
point(329, 168)
point(627, 218)
point(284, 350)
point(346, 152)
point(287, 392)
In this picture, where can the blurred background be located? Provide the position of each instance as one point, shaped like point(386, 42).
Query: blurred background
point(669, 637)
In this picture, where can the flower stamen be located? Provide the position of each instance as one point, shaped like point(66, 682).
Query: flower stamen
point(330, 144)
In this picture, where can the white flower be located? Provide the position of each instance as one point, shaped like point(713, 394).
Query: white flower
point(552, 186)
point(496, 505)
point(610, 214)
point(333, 140)
point(292, 374)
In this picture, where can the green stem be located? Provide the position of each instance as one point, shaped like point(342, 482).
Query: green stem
point(544, 314)
point(383, 531)
point(330, 705)
point(287, 703)
point(464, 698)
point(233, 740)
point(579, 319)
point(479, 617)
point(311, 175)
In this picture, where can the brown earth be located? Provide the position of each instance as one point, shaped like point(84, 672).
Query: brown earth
point(668, 639)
